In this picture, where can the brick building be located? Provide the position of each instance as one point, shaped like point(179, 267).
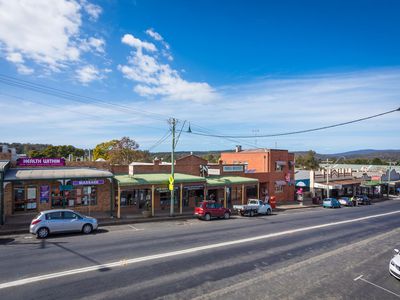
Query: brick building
point(273, 168)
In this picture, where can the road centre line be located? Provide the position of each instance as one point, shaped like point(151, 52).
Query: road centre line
point(375, 285)
point(126, 262)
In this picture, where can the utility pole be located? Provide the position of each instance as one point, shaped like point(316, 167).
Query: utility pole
point(172, 121)
point(327, 177)
point(390, 169)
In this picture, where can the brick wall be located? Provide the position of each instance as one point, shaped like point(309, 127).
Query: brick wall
point(103, 197)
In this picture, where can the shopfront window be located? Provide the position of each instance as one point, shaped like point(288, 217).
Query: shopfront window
point(25, 198)
point(56, 196)
point(278, 188)
point(19, 199)
point(73, 196)
point(135, 198)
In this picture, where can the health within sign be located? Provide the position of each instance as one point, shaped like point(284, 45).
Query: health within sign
point(41, 162)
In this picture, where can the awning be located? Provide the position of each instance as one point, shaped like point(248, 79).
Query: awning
point(331, 186)
point(55, 173)
point(280, 182)
point(229, 180)
point(156, 179)
point(281, 163)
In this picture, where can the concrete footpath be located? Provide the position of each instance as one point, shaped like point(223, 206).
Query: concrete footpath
point(20, 225)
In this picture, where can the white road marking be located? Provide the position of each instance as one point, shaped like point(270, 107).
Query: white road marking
point(182, 252)
point(134, 228)
point(375, 285)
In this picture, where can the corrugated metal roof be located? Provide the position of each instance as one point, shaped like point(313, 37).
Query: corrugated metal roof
point(3, 164)
point(55, 173)
point(229, 180)
point(157, 179)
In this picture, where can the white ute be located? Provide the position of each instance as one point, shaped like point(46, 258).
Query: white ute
point(253, 207)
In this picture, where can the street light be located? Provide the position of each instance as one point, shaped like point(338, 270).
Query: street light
point(327, 174)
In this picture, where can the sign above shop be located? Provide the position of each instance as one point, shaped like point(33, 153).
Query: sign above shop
point(41, 162)
point(66, 187)
point(88, 182)
point(233, 168)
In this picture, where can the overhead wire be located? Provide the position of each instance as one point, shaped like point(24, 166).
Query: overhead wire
point(40, 88)
point(294, 132)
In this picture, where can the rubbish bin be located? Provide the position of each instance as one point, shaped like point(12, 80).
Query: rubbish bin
point(272, 202)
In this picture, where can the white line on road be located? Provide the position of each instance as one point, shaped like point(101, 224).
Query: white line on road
point(378, 286)
point(134, 228)
point(181, 252)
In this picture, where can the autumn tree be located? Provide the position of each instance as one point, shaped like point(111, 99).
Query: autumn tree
point(122, 152)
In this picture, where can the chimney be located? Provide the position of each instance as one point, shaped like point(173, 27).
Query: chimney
point(156, 161)
point(238, 148)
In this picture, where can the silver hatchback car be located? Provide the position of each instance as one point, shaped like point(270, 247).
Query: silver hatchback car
point(61, 220)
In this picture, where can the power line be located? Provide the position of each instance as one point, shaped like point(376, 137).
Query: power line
point(161, 140)
point(40, 88)
point(295, 132)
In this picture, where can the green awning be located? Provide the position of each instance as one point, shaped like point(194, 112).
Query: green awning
point(229, 180)
point(156, 179)
point(371, 183)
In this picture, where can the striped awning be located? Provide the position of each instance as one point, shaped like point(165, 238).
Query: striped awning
point(280, 182)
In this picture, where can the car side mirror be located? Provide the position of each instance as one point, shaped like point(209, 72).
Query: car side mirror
point(396, 251)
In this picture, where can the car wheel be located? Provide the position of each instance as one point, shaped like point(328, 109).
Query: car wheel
point(207, 217)
point(251, 213)
point(87, 228)
point(42, 233)
point(268, 212)
point(226, 215)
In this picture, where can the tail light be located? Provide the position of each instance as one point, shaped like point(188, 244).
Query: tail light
point(36, 221)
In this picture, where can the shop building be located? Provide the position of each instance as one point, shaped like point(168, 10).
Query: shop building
point(273, 168)
point(30, 190)
point(141, 193)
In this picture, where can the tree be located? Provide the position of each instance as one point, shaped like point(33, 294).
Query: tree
point(308, 161)
point(57, 151)
point(123, 151)
point(103, 150)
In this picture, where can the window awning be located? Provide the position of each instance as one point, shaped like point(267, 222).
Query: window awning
point(156, 179)
point(281, 163)
point(55, 173)
point(280, 182)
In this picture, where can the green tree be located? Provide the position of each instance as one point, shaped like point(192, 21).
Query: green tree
point(308, 161)
point(377, 161)
point(103, 150)
point(123, 151)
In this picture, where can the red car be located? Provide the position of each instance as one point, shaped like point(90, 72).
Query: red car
point(210, 209)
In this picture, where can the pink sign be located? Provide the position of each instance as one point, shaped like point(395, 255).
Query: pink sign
point(41, 162)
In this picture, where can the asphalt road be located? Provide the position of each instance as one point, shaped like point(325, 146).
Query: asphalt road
point(303, 254)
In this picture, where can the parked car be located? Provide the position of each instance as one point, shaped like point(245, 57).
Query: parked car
point(345, 201)
point(253, 207)
point(363, 200)
point(394, 265)
point(210, 209)
point(61, 220)
point(331, 203)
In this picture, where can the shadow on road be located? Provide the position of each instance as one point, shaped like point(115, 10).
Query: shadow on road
point(6, 241)
point(78, 254)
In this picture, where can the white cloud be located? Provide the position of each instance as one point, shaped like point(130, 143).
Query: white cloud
point(90, 73)
point(24, 70)
point(154, 35)
point(155, 78)
point(130, 40)
point(46, 33)
point(93, 10)
point(15, 57)
point(93, 44)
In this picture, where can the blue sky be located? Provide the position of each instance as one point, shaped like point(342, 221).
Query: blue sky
point(230, 67)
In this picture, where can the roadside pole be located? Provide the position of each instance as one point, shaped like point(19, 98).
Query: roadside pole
point(172, 177)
